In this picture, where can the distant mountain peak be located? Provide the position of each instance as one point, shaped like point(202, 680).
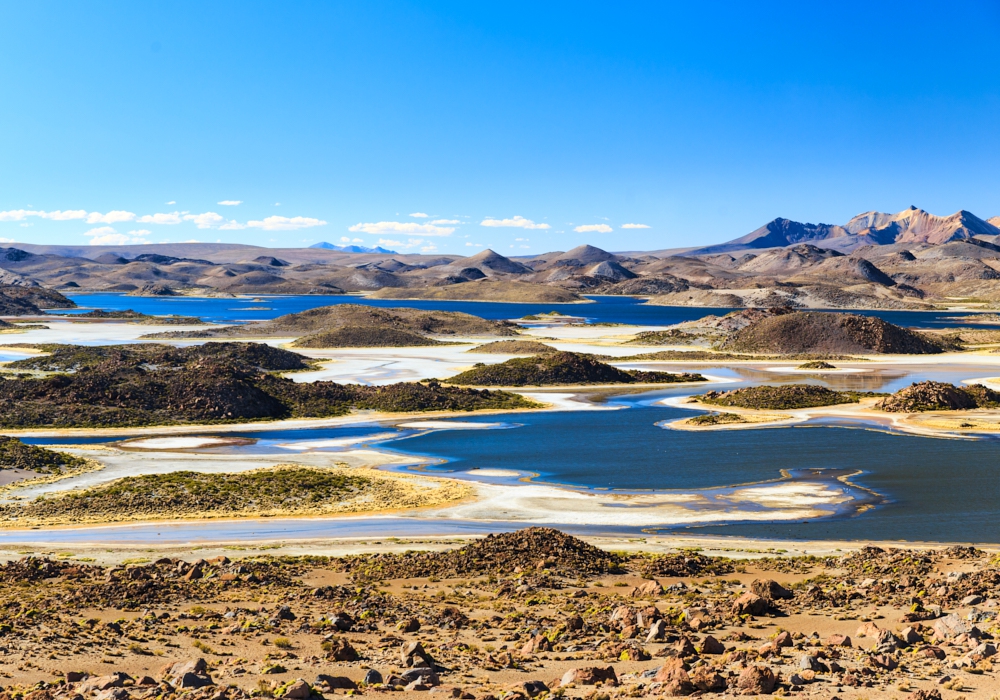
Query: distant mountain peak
point(353, 248)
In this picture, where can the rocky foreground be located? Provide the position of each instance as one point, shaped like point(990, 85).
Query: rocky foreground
point(528, 614)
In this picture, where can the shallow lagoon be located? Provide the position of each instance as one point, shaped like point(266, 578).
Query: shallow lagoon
point(926, 489)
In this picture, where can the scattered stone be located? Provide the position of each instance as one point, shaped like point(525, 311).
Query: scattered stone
point(757, 679)
point(591, 675)
point(711, 645)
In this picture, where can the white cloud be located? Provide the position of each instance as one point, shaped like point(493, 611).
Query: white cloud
point(516, 222)
point(63, 215)
point(105, 235)
point(446, 221)
point(100, 231)
point(348, 239)
point(419, 215)
point(207, 220)
point(112, 217)
point(402, 227)
point(428, 249)
point(165, 219)
point(285, 223)
point(411, 243)
point(230, 202)
point(144, 232)
point(470, 244)
point(526, 246)
point(594, 228)
point(634, 226)
point(232, 225)
point(22, 214)
point(521, 239)
point(171, 203)
point(6, 240)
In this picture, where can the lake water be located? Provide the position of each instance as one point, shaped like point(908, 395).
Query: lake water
point(932, 489)
point(927, 489)
point(605, 309)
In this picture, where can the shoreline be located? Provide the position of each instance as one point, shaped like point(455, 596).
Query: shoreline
point(918, 424)
point(734, 547)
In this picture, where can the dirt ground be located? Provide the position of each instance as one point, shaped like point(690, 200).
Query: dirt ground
point(525, 614)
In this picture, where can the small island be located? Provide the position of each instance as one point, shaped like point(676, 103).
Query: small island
point(563, 368)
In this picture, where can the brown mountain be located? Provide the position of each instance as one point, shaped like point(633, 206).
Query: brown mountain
point(870, 228)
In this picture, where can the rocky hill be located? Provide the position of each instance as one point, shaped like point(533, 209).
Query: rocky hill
point(826, 332)
point(325, 319)
point(939, 396)
point(562, 368)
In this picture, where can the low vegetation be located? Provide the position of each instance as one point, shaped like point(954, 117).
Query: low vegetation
point(939, 396)
point(154, 356)
point(717, 419)
point(365, 337)
point(816, 364)
point(789, 396)
point(671, 336)
point(282, 490)
point(15, 454)
point(514, 347)
point(141, 318)
point(263, 489)
point(122, 386)
point(562, 368)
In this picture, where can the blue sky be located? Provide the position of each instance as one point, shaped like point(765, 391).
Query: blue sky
point(137, 121)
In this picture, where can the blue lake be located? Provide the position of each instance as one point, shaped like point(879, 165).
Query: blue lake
point(925, 489)
point(605, 309)
point(928, 489)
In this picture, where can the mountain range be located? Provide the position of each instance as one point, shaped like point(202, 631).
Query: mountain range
point(352, 248)
point(911, 225)
point(909, 260)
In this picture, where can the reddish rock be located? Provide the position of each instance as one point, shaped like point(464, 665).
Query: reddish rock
point(649, 588)
point(707, 680)
point(590, 675)
point(711, 645)
point(770, 590)
point(838, 640)
point(341, 650)
point(868, 629)
point(674, 678)
point(757, 679)
point(536, 644)
point(750, 604)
